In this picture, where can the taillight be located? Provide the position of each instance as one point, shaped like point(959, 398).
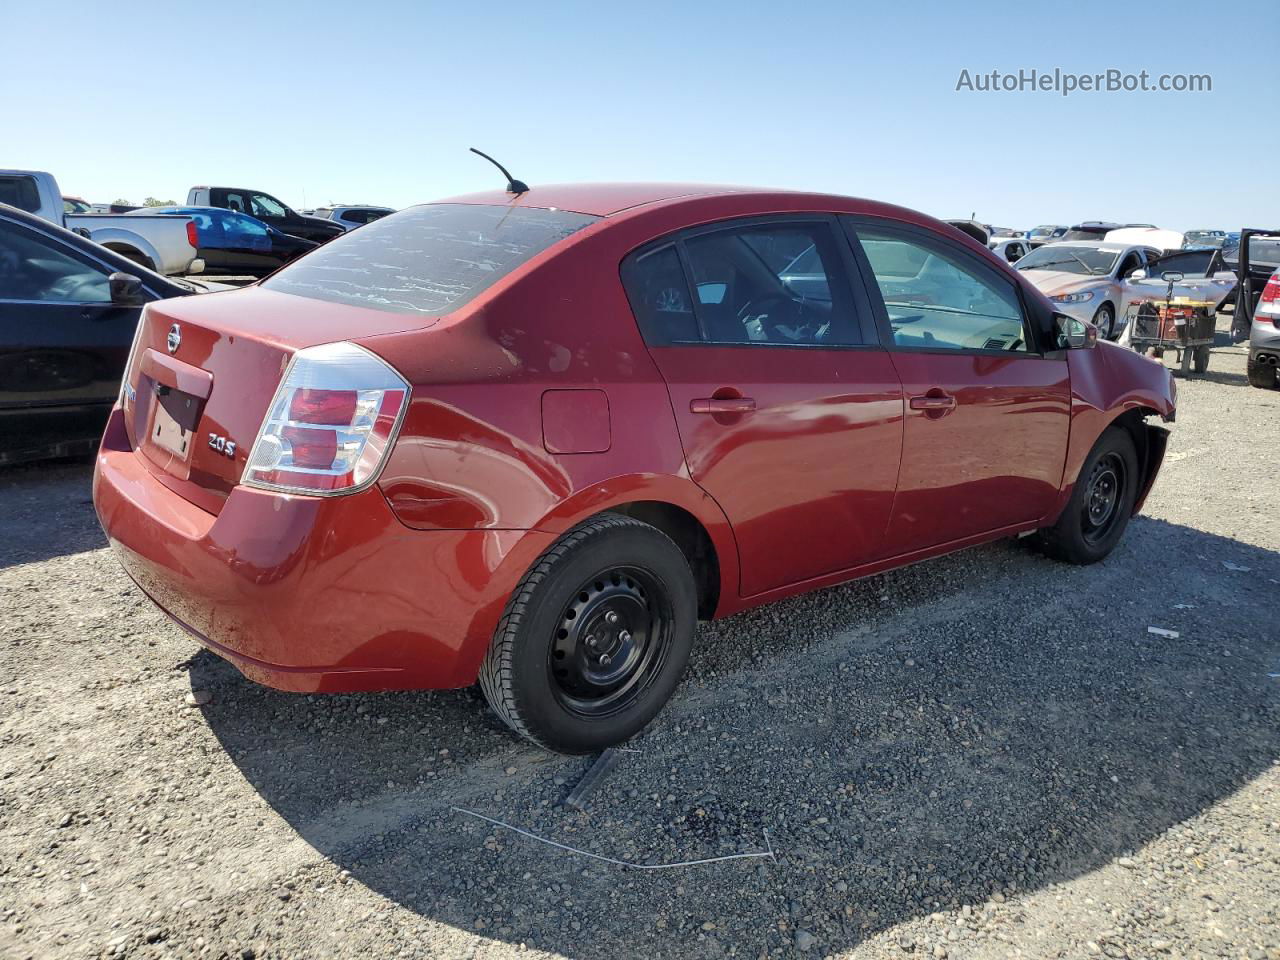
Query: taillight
point(1269, 303)
point(330, 423)
point(193, 237)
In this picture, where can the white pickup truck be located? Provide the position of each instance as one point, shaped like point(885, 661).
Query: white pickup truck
point(164, 244)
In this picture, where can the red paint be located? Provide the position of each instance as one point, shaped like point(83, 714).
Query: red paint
point(538, 405)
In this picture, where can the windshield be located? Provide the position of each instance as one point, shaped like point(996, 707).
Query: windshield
point(1089, 261)
point(426, 260)
point(1045, 230)
point(1203, 238)
point(1087, 233)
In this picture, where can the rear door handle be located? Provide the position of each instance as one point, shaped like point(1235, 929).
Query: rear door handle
point(934, 401)
point(722, 405)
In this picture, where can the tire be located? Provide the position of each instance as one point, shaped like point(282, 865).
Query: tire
point(141, 259)
point(1202, 358)
point(565, 676)
point(1105, 321)
point(1261, 375)
point(1085, 533)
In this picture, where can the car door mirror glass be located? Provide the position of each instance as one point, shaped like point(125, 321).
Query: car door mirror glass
point(126, 290)
point(1073, 333)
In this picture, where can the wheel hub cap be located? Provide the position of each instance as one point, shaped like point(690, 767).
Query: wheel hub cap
point(610, 634)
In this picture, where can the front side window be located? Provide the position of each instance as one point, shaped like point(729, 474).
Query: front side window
point(35, 268)
point(427, 260)
point(772, 283)
point(936, 299)
point(261, 205)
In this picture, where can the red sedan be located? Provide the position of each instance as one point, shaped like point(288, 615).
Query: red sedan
point(534, 438)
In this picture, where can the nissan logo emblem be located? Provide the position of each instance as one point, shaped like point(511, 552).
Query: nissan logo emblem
point(174, 340)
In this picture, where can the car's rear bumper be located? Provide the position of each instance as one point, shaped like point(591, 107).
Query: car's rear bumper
point(311, 594)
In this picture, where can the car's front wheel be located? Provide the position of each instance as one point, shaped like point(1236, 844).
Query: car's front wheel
point(1105, 320)
point(1101, 503)
point(595, 637)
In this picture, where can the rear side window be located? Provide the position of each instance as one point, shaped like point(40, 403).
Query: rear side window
point(660, 297)
point(20, 192)
point(769, 284)
point(427, 260)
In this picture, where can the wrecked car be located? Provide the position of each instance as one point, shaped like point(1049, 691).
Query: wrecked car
point(532, 437)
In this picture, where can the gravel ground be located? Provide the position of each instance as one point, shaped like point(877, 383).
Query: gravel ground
point(983, 756)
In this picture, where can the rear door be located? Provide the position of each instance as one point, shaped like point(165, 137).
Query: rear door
point(62, 345)
point(987, 414)
point(789, 411)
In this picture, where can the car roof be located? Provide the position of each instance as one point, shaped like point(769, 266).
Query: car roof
point(605, 199)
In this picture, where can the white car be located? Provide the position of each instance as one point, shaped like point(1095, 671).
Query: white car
point(1085, 279)
point(1011, 249)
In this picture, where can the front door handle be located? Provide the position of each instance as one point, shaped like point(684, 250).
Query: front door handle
point(936, 403)
point(722, 405)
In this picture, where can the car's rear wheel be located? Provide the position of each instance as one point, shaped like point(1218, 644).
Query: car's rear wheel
point(1105, 320)
point(594, 638)
point(1101, 503)
point(1261, 374)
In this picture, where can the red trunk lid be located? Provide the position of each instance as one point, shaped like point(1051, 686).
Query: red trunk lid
point(205, 369)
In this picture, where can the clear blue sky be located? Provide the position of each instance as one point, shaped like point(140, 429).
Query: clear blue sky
point(376, 101)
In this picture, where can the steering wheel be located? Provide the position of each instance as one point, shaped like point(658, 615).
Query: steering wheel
point(789, 322)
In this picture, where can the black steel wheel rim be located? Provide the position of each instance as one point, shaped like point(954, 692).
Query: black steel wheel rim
point(1102, 495)
point(611, 642)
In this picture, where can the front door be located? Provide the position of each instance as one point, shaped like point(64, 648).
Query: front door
point(987, 418)
point(789, 411)
point(63, 346)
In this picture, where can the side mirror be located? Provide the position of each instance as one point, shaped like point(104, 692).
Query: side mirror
point(1137, 274)
point(1075, 334)
point(126, 290)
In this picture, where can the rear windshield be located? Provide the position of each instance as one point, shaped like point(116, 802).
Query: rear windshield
point(20, 192)
point(426, 260)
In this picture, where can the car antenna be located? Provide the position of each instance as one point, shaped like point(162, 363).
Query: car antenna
point(513, 185)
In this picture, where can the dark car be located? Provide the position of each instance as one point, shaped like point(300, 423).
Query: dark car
point(68, 311)
point(532, 441)
point(236, 243)
point(265, 207)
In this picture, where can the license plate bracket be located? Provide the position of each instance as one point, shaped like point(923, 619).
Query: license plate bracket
point(173, 422)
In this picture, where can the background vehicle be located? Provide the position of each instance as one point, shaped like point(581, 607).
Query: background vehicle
point(236, 243)
point(264, 207)
point(1011, 249)
point(1085, 279)
point(1045, 233)
point(68, 312)
point(524, 528)
point(1197, 239)
point(351, 217)
point(1257, 307)
point(166, 246)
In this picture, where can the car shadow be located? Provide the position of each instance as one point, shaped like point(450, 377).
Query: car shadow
point(33, 532)
point(984, 724)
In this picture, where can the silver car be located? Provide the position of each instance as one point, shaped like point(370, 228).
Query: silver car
point(354, 216)
point(1085, 279)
